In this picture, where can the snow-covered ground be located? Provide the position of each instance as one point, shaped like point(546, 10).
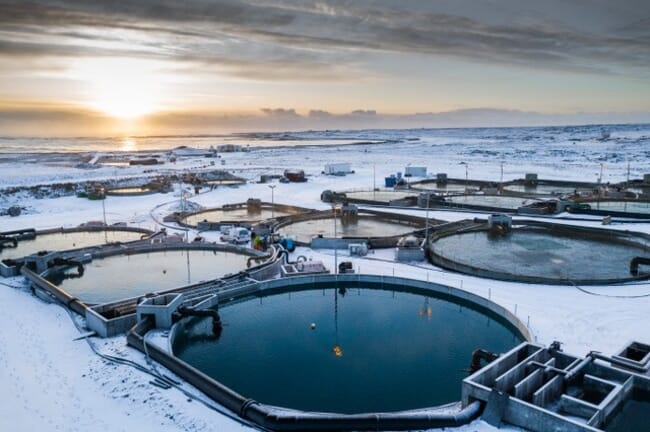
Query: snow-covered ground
point(51, 382)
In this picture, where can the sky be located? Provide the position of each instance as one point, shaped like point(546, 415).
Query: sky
point(170, 67)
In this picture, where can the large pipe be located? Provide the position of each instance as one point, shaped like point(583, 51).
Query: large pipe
point(619, 362)
point(595, 355)
point(22, 234)
point(8, 240)
point(72, 302)
point(573, 373)
point(280, 420)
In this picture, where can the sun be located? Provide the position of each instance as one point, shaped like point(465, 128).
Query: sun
point(123, 88)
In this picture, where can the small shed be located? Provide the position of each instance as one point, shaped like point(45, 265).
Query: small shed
point(531, 179)
point(295, 175)
point(415, 171)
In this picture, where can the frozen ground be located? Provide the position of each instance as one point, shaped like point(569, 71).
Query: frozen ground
point(51, 382)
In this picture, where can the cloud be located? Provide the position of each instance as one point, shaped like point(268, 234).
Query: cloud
point(293, 36)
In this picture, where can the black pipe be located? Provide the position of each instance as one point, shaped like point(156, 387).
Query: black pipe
point(280, 420)
point(58, 261)
point(478, 355)
point(217, 326)
point(23, 234)
point(635, 262)
point(4, 241)
point(72, 302)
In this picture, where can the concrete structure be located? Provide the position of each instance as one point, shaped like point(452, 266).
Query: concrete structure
point(635, 353)
point(553, 206)
point(410, 248)
point(501, 220)
point(160, 308)
point(303, 268)
point(358, 249)
point(542, 389)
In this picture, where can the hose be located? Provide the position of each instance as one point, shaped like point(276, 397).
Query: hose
point(153, 372)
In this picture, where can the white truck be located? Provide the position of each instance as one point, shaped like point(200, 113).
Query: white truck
point(236, 235)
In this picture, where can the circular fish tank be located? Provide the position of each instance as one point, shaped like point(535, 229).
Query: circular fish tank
point(348, 344)
point(238, 214)
point(619, 206)
point(545, 189)
point(363, 226)
point(443, 187)
point(69, 239)
point(124, 276)
point(541, 253)
point(379, 195)
point(489, 201)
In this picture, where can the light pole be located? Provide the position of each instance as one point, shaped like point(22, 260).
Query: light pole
point(426, 223)
point(104, 214)
point(336, 255)
point(600, 177)
point(500, 189)
point(104, 209)
point(272, 201)
point(466, 173)
point(502, 162)
point(374, 182)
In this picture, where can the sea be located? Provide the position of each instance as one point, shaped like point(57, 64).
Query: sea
point(627, 138)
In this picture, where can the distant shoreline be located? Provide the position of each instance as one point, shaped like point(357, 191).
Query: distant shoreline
point(13, 146)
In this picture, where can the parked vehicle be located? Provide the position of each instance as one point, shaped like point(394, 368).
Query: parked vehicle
point(236, 235)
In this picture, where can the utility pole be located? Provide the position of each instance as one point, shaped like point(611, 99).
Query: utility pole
point(104, 215)
point(272, 201)
point(426, 222)
point(374, 182)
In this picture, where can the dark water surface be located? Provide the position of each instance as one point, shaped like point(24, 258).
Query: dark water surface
point(124, 276)
point(397, 350)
